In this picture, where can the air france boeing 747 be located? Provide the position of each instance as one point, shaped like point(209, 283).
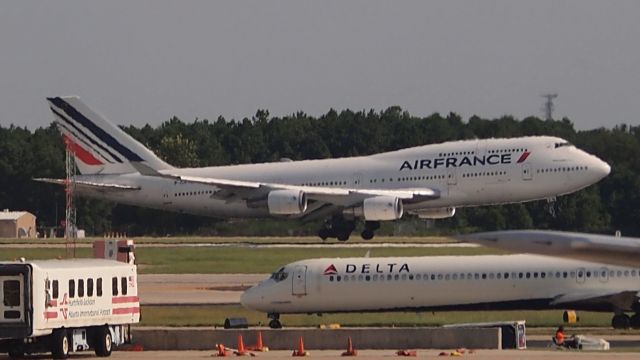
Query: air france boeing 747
point(428, 181)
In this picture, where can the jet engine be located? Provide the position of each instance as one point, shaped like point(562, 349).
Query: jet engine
point(286, 202)
point(438, 213)
point(378, 208)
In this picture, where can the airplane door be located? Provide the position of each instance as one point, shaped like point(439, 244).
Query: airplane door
point(167, 199)
point(604, 275)
point(452, 177)
point(357, 180)
point(580, 275)
point(526, 172)
point(299, 279)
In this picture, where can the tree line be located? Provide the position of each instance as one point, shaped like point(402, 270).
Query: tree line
point(612, 204)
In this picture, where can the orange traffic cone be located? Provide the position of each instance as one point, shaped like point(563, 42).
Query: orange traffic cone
point(259, 346)
point(300, 351)
point(222, 351)
point(350, 350)
point(241, 351)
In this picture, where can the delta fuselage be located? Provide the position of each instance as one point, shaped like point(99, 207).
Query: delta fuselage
point(487, 282)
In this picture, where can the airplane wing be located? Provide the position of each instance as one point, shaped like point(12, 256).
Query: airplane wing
point(87, 185)
point(613, 250)
point(237, 189)
point(618, 299)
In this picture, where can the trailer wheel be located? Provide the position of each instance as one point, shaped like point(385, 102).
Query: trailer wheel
point(16, 354)
point(104, 342)
point(60, 344)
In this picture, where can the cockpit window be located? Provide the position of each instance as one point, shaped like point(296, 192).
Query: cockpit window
point(561, 144)
point(279, 275)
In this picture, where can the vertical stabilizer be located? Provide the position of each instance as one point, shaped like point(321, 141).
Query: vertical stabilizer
point(99, 146)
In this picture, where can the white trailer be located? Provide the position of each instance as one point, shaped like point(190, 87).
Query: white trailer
point(61, 306)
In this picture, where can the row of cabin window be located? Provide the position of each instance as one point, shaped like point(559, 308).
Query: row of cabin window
point(563, 169)
point(490, 173)
point(498, 151)
point(192, 193)
point(55, 291)
point(490, 276)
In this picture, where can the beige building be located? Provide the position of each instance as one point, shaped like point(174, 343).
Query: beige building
point(17, 224)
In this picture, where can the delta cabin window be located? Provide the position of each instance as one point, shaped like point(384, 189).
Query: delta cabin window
point(99, 287)
point(123, 282)
point(72, 289)
point(89, 287)
point(81, 288)
point(55, 289)
point(114, 286)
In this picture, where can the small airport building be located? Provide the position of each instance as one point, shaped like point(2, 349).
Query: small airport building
point(17, 224)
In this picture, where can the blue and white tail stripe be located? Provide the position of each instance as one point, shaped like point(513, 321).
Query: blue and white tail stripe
point(99, 146)
point(66, 126)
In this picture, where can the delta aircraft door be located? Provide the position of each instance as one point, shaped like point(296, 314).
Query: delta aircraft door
point(299, 279)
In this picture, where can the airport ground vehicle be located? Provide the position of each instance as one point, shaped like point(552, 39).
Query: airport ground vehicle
point(61, 306)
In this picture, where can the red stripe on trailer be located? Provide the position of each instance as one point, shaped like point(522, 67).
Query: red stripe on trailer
point(125, 299)
point(50, 314)
point(124, 311)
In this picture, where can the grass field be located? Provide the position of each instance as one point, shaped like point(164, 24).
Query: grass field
point(215, 316)
point(242, 239)
point(226, 260)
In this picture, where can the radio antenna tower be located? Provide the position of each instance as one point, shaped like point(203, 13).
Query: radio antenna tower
point(70, 230)
point(548, 106)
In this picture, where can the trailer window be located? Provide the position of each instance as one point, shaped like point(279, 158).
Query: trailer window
point(89, 287)
point(11, 293)
point(99, 287)
point(114, 286)
point(123, 283)
point(81, 288)
point(72, 289)
point(55, 291)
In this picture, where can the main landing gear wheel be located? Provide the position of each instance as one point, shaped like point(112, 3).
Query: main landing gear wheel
point(60, 344)
point(621, 321)
point(635, 321)
point(16, 354)
point(104, 342)
point(338, 227)
point(369, 229)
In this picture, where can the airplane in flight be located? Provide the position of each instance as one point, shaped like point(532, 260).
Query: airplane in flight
point(447, 283)
point(428, 181)
point(607, 249)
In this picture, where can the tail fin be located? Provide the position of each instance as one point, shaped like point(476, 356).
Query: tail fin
point(99, 146)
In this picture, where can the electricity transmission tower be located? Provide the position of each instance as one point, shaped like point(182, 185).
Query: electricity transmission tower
point(548, 106)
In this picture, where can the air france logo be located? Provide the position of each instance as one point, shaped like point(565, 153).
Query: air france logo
point(456, 162)
point(330, 270)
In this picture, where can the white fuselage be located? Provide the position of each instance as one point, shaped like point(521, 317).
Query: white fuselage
point(440, 283)
point(464, 173)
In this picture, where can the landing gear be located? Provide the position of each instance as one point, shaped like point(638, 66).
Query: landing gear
point(621, 321)
point(635, 321)
point(275, 321)
point(369, 228)
point(338, 227)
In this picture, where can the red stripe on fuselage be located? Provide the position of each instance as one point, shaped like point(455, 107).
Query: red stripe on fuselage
point(82, 154)
point(524, 156)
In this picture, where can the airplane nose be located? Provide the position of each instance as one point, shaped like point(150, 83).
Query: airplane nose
point(602, 168)
point(249, 298)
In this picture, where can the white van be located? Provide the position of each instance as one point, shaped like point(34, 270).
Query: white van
point(61, 306)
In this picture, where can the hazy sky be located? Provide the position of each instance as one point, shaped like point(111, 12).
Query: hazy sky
point(142, 62)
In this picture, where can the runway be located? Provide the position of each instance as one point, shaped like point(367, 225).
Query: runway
point(194, 289)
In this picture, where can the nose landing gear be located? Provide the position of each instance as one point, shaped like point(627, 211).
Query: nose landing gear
point(275, 321)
